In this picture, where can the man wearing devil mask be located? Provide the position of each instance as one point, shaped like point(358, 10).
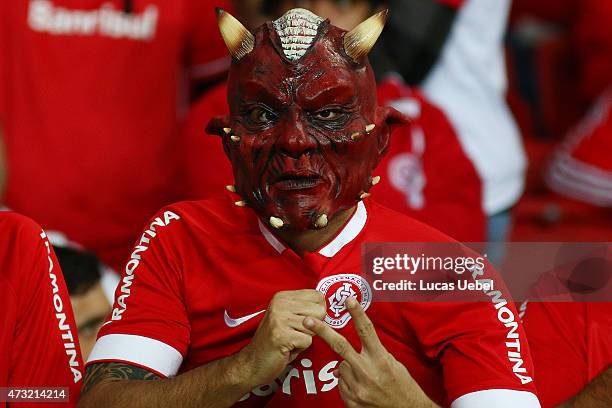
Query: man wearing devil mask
point(257, 298)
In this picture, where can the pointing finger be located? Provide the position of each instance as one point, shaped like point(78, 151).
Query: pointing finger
point(364, 326)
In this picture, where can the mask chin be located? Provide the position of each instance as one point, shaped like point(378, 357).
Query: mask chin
point(293, 215)
point(294, 218)
point(299, 218)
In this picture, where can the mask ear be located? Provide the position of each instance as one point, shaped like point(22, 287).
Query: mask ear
point(217, 125)
point(220, 126)
point(391, 118)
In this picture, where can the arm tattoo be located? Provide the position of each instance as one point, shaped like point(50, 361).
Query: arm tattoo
point(99, 373)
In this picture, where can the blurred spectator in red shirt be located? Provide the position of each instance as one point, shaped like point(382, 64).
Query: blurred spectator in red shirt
point(581, 167)
point(38, 347)
point(91, 96)
point(426, 173)
point(584, 26)
point(469, 82)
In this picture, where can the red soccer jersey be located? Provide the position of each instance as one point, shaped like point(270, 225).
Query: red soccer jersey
point(38, 338)
point(197, 278)
point(425, 174)
point(91, 101)
point(571, 344)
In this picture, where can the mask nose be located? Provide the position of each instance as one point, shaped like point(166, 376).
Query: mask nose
point(295, 141)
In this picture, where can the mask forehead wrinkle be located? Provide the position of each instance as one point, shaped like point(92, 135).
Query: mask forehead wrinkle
point(265, 89)
point(327, 74)
point(327, 89)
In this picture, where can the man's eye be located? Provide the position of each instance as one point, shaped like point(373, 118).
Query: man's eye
point(261, 116)
point(328, 114)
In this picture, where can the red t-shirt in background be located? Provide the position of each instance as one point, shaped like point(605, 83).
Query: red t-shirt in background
point(92, 99)
point(39, 345)
point(426, 174)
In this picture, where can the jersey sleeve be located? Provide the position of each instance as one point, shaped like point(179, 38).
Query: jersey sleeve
point(481, 348)
point(207, 53)
point(44, 350)
point(148, 325)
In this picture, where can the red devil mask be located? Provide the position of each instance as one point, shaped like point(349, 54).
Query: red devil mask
point(304, 131)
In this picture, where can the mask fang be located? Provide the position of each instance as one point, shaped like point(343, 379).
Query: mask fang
point(276, 222)
point(321, 222)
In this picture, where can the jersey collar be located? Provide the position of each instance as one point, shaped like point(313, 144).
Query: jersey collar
point(347, 234)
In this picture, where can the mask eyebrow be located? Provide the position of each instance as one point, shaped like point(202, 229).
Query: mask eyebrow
point(256, 91)
point(338, 94)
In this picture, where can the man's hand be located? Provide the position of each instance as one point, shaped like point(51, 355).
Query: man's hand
point(281, 335)
point(372, 378)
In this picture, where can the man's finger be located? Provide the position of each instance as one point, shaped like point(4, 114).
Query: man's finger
point(307, 309)
point(297, 323)
point(346, 374)
point(309, 295)
point(334, 339)
point(346, 394)
point(364, 326)
point(297, 341)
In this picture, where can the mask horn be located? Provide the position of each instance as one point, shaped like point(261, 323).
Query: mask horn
point(238, 39)
point(359, 41)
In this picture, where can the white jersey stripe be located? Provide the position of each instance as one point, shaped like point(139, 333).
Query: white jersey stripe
point(498, 398)
point(141, 351)
point(348, 233)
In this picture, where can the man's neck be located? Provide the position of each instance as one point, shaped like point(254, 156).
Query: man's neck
point(310, 240)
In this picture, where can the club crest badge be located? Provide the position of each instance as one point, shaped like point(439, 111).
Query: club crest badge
point(337, 289)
